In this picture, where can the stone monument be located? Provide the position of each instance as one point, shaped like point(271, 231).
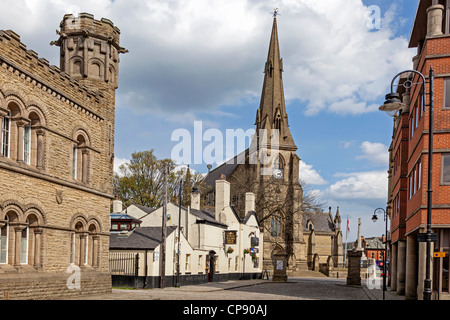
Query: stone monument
point(359, 244)
point(354, 268)
point(279, 259)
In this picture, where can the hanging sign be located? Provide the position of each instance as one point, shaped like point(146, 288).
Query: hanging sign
point(230, 237)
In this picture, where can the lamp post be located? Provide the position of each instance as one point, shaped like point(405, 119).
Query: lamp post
point(391, 106)
point(182, 183)
point(177, 278)
point(374, 219)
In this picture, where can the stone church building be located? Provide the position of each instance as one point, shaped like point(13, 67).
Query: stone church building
point(56, 161)
point(270, 169)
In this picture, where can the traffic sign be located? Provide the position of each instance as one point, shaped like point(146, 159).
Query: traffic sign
point(422, 237)
point(439, 255)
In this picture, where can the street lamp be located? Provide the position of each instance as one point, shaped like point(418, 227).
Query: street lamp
point(177, 278)
point(182, 183)
point(374, 219)
point(391, 106)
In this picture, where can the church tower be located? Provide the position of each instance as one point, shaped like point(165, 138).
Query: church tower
point(278, 168)
point(270, 171)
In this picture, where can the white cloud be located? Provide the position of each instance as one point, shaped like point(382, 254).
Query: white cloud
point(346, 144)
point(343, 67)
point(358, 186)
point(199, 55)
point(118, 162)
point(376, 153)
point(309, 175)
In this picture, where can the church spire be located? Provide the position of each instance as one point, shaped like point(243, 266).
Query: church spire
point(272, 113)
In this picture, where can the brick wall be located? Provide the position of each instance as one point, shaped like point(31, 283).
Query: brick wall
point(435, 54)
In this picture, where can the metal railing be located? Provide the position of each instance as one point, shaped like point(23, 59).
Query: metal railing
point(124, 264)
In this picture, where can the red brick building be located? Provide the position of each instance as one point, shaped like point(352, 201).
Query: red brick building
point(407, 205)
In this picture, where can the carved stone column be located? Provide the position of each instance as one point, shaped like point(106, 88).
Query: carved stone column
point(83, 252)
point(95, 250)
point(20, 132)
point(85, 167)
point(40, 149)
point(17, 243)
point(37, 247)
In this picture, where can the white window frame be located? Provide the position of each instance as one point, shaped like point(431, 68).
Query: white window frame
point(86, 251)
point(188, 263)
point(24, 259)
point(7, 243)
point(6, 122)
point(75, 162)
point(419, 176)
point(443, 156)
point(27, 144)
point(72, 255)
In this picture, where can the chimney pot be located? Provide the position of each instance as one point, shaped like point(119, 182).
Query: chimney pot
point(117, 205)
point(195, 199)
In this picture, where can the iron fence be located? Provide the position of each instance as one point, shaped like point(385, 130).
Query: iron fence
point(123, 264)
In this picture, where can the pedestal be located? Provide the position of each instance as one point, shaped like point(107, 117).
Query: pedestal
point(354, 268)
point(279, 259)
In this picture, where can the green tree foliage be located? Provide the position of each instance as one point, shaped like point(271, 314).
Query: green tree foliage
point(141, 181)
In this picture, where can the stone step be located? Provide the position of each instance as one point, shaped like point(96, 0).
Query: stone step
point(306, 274)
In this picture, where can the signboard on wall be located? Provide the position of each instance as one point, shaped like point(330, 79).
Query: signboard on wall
point(230, 237)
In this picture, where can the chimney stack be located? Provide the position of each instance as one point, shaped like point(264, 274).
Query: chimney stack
point(222, 194)
point(249, 202)
point(195, 199)
point(117, 205)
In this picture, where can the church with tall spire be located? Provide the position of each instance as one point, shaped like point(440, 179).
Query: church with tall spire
point(270, 170)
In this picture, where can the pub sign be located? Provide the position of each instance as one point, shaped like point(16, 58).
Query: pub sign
point(230, 237)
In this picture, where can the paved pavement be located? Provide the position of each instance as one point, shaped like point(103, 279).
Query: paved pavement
point(294, 289)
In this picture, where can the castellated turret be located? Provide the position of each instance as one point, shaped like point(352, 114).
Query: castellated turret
point(90, 50)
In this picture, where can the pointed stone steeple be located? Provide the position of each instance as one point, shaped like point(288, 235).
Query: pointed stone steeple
point(337, 219)
point(272, 112)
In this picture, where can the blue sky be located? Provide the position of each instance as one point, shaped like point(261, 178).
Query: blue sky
point(202, 60)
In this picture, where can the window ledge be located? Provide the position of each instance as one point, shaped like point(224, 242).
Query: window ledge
point(24, 268)
point(6, 268)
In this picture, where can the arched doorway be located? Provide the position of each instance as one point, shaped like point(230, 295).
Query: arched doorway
point(211, 265)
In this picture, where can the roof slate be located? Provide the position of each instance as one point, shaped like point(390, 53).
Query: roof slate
point(139, 238)
point(226, 169)
point(322, 221)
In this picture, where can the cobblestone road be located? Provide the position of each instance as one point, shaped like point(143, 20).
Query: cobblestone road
point(294, 289)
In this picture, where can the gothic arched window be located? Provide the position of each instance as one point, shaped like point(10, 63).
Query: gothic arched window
point(278, 121)
point(80, 157)
point(4, 242)
point(275, 227)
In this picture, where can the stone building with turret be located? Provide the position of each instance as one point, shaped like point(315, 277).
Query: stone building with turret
point(56, 161)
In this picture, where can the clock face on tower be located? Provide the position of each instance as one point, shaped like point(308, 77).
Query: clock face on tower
point(278, 173)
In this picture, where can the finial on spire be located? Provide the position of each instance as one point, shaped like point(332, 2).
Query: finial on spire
point(275, 12)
